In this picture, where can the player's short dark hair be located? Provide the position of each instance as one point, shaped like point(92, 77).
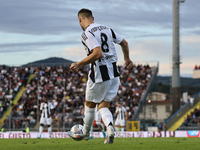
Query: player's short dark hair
point(85, 13)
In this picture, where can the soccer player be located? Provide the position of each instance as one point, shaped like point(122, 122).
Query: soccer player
point(120, 121)
point(103, 78)
point(46, 110)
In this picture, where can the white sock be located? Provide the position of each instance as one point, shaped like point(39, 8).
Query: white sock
point(91, 130)
point(41, 129)
point(122, 130)
point(88, 119)
point(100, 125)
point(106, 116)
point(49, 130)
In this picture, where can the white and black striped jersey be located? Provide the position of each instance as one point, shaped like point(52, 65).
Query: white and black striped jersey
point(46, 109)
point(97, 35)
point(121, 112)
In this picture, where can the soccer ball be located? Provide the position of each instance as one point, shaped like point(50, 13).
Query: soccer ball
point(77, 132)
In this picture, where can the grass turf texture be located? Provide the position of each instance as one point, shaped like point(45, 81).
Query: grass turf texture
point(97, 144)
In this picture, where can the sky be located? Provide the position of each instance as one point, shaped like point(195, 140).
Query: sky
point(32, 30)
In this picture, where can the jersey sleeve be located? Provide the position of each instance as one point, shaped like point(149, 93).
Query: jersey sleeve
point(90, 40)
point(116, 37)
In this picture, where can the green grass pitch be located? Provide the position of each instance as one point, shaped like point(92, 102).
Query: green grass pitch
point(97, 144)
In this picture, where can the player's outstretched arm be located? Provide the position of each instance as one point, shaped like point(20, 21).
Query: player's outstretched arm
point(125, 50)
point(95, 55)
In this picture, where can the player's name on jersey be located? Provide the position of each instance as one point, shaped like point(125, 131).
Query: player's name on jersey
point(98, 28)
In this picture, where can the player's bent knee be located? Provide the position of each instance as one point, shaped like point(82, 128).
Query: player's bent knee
point(90, 104)
point(103, 104)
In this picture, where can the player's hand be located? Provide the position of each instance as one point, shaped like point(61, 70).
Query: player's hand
point(74, 67)
point(49, 116)
point(129, 64)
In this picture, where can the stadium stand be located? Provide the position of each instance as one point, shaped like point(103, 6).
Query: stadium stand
point(191, 120)
point(11, 81)
point(183, 118)
point(64, 89)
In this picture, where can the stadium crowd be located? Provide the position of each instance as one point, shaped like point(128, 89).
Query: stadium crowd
point(11, 79)
point(65, 89)
point(193, 119)
point(196, 67)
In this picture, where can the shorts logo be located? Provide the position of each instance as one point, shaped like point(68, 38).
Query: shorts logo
point(193, 133)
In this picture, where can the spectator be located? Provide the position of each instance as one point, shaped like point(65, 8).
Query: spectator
point(194, 118)
point(191, 101)
point(142, 128)
point(195, 67)
point(160, 126)
point(185, 122)
point(153, 123)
